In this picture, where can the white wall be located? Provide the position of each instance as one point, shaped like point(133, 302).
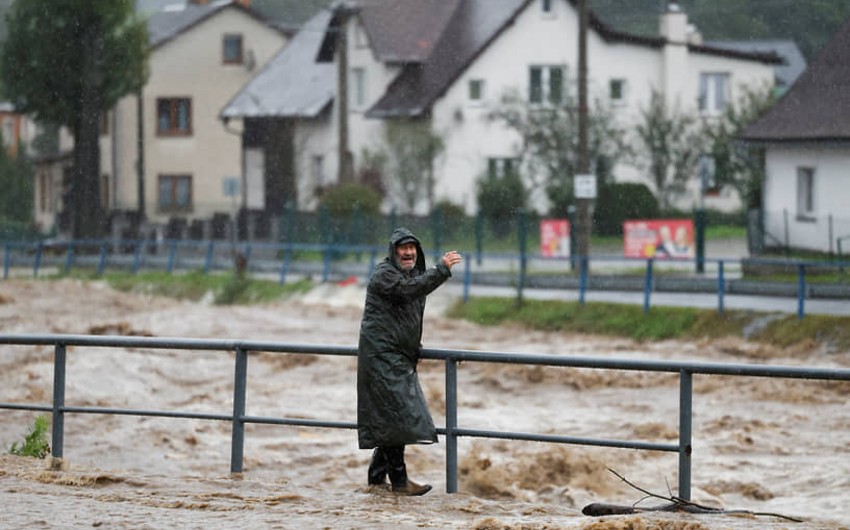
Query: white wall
point(832, 169)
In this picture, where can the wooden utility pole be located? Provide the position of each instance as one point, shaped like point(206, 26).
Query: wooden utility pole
point(344, 170)
point(582, 231)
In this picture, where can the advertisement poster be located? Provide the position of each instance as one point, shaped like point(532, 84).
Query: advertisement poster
point(659, 238)
point(555, 238)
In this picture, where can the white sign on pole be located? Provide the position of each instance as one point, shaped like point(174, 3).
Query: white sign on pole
point(584, 186)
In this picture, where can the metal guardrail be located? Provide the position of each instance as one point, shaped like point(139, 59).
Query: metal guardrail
point(452, 431)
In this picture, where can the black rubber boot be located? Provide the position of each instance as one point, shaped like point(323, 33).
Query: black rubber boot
point(378, 467)
point(397, 471)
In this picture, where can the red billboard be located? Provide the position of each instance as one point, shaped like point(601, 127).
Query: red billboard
point(658, 238)
point(555, 238)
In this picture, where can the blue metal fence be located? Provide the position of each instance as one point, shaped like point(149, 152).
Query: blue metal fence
point(519, 270)
point(238, 417)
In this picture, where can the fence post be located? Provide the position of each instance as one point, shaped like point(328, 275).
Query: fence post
point(7, 260)
point(451, 426)
point(523, 257)
point(801, 290)
point(647, 286)
point(240, 377)
point(208, 259)
point(69, 258)
point(137, 256)
point(721, 286)
point(830, 234)
point(58, 429)
point(37, 263)
point(172, 254)
point(582, 279)
point(284, 267)
point(101, 263)
point(685, 433)
point(479, 236)
point(785, 223)
point(467, 279)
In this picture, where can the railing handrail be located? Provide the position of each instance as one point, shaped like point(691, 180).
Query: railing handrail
point(685, 369)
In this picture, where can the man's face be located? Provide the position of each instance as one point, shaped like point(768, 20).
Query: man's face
point(406, 256)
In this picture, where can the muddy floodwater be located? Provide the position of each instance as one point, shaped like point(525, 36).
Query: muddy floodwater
point(761, 446)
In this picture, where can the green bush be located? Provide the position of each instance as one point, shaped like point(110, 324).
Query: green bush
point(452, 217)
point(35, 443)
point(343, 200)
point(499, 199)
point(618, 202)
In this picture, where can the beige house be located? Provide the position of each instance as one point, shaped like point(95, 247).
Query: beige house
point(168, 143)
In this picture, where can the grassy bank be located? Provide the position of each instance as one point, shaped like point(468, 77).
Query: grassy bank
point(660, 323)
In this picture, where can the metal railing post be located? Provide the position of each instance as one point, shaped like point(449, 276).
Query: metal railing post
point(451, 426)
point(209, 257)
point(721, 286)
point(58, 421)
point(582, 280)
point(137, 257)
point(801, 291)
point(7, 260)
point(172, 256)
point(467, 279)
point(101, 262)
point(647, 286)
point(685, 433)
point(69, 258)
point(240, 378)
point(284, 266)
point(37, 262)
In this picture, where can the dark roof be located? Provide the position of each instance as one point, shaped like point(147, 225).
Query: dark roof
point(793, 62)
point(168, 23)
point(817, 106)
point(293, 83)
point(405, 31)
point(472, 26)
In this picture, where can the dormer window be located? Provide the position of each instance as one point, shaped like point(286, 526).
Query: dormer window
point(232, 49)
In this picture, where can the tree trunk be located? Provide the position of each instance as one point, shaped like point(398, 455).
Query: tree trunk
point(88, 214)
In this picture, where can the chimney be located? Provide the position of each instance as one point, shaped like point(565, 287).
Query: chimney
point(244, 3)
point(674, 30)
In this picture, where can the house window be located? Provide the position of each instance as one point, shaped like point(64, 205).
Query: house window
point(617, 91)
point(476, 90)
point(546, 84)
point(175, 193)
point(232, 49)
point(358, 88)
point(174, 117)
point(546, 7)
point(713, 92)
point(805, 193)
point(500, 167)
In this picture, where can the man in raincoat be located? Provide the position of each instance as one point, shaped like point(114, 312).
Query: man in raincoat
point(391, 409)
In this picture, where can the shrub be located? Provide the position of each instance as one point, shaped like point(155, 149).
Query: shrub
point(499, 199)
point(618, 202)
point(35, 443)
point(343, 200)
point(452, 216)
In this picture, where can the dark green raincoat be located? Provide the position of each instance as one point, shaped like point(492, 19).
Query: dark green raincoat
point(391, 408)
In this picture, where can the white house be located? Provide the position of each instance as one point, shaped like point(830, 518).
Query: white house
point(806, 136)
point(447, 63)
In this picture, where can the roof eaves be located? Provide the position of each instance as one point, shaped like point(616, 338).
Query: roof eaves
point(763, 57)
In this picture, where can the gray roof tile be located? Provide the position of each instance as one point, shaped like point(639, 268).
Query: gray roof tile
point(293, 83)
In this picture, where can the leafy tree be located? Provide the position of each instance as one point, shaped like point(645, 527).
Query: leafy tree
point(66, 62)
point(411, 151)
point(738, 164)
point(549, 156)
point(671, 143)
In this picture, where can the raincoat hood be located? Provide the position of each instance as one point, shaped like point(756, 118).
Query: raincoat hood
point(403, 235)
